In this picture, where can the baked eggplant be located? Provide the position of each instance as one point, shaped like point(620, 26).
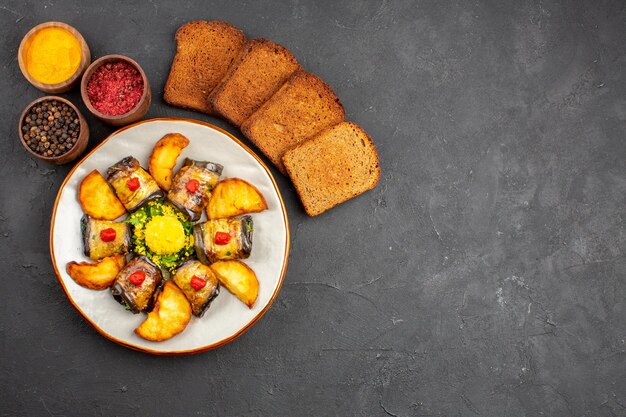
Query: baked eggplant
point(192, 185)
point(102, 238)
point(136, 284)
point(198, 283)
point(132, 184)
point(223, 239)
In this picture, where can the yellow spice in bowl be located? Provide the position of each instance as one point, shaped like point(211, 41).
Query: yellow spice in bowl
point(52, 55)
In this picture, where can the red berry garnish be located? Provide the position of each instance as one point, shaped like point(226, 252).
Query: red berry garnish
point(197, 283)
point(108, 235)
point(137, 278)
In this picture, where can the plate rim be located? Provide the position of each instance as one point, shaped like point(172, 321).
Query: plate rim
point(211, 346)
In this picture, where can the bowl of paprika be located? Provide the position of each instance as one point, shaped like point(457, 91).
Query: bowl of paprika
point(116, 90)
point(53, 56)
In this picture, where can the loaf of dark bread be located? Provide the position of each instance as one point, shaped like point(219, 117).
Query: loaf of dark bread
point(262, 67)
point(204, 53)
point(334, 166)
point(303, 106)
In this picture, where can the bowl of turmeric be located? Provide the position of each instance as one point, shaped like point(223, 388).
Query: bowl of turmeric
point(53, 56)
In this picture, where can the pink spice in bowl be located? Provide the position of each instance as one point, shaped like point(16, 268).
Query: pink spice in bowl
point(115, 89)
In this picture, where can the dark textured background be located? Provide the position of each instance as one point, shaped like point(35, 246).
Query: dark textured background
point(484, 276)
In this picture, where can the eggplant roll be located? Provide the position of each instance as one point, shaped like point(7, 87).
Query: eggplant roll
point(192, 198)
point(137, 296)
point(210, 243)
point(200, 298)
point(132, 184)
point(99, 241)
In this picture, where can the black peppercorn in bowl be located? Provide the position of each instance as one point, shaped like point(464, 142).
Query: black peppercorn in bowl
point(52, 129)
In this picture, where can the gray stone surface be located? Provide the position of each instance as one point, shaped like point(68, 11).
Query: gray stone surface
point(484, 276)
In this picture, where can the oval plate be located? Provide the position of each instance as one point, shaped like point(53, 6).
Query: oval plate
point(227, 317)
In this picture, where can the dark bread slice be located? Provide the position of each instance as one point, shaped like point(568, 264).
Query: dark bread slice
point(204, 52)
point(334, 166)
point(262, 67)
point(303, 106)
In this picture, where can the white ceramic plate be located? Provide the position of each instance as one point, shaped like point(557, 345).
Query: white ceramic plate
point(227, 317)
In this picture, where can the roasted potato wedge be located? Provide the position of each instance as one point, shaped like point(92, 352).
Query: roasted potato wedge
point(96, 275)
point(163, 158)
point(239, 279)
point(98, 199)
point(234, 196)
point(170, 315)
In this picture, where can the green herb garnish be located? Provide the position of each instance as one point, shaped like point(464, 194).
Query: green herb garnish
point(188, 226)
point(141, 217)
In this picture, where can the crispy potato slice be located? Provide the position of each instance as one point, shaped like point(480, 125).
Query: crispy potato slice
point(170, 315)
point(239, 279)
point(98, 199)
point(234, 196)
point(96, 275)
point(163, 158)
